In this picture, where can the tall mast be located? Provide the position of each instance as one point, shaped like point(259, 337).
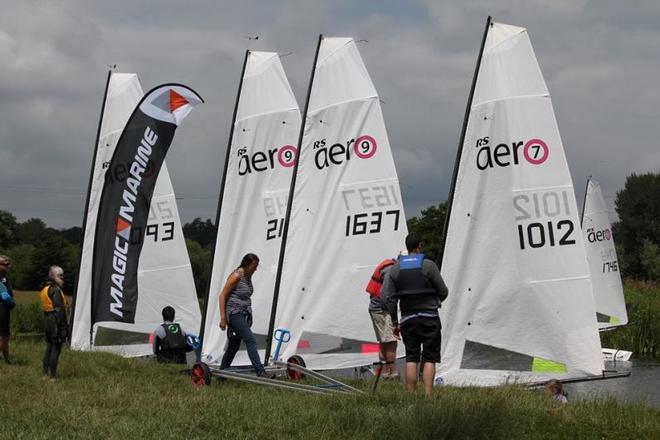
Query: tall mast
point(584, 201)
point(459, 153)
point(287, 217)
point(222, 193)
point(84, 225)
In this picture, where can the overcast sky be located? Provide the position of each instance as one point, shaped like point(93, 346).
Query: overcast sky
point(600, 59)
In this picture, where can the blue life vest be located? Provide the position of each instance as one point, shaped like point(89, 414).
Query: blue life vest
point(411, 280)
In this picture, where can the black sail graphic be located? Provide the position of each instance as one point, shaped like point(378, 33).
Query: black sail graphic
point(127, 191)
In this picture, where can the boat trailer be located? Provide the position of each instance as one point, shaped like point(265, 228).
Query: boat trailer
point(294, 370)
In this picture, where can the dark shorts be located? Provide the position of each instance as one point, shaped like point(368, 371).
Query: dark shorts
point(422, 338)
point(5, 314)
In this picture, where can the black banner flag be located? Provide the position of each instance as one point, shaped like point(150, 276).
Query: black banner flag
point(124, 206)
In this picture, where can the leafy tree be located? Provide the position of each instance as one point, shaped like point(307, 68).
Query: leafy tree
point(73, 235)
point(429, 227)
point(54, 250)
point(650, 258)
point(199, 261)
point(8, 229)
point(34, 231)
point(638, 231)
point(203, 232)
point(22, 270)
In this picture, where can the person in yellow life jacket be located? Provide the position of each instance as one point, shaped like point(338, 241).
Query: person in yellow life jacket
point(53, 304)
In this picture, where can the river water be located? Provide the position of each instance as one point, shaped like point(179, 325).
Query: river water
point(642, 385)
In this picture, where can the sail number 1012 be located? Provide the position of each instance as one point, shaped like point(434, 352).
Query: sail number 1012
point(551, 212)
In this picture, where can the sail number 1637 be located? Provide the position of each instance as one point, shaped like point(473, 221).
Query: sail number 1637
point(371, 222)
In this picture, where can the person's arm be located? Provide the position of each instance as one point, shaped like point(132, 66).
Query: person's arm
point(229, 287)
point(437, 282)
point(57, 297)
point(159, 334)
point(388, 294)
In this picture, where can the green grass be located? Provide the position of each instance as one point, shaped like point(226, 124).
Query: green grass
point(26, 297)
point(27, 317)
point(99, 395)
point(642, 333)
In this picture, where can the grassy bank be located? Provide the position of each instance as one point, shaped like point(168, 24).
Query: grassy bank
point(103, 396)
point(642, 333)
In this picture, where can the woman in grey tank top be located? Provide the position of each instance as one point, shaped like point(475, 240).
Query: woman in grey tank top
point(236, 313)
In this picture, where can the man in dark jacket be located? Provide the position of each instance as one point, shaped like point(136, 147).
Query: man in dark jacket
point(417, 289)
point(169, 343)
point(7, 303)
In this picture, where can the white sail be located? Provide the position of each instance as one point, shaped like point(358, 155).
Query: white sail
point(164, 271)
point(346, 215)
point(254, 199)
point(601, 253)
point(520, 305)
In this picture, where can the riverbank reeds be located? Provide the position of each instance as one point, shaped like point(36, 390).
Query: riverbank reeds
point(642, 333)
point(99, 395)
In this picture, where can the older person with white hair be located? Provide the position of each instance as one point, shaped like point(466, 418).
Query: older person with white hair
point(53, 304)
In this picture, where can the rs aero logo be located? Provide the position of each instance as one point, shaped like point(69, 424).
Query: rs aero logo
point(265, 160)
point(598, 236)
point(535, 151)
point(325, 155)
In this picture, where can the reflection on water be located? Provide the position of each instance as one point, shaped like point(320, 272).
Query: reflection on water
point(643, 384)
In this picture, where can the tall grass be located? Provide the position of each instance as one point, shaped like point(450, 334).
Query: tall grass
point(99, 395)
point(642, 333)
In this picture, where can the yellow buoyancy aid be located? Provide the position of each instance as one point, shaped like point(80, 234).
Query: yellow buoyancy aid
point(47, 303)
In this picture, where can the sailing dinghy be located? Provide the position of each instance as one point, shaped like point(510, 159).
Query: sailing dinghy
point(345, 215)
point(253, 197)
point(605, 276)
point(520, 305)
point(164, 271)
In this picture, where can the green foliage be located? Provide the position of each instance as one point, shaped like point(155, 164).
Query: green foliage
point(199, 261)
point(33, 231)
point(27, 318)
point(22, 270)
point(34, 249)
point(99, 395)
point(8, 229)
point(429, 227)
point(203, 232)
point(650, 259)
point(642, 333)
point(638, 207)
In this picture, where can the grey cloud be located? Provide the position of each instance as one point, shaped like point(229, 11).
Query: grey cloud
point(600, 60)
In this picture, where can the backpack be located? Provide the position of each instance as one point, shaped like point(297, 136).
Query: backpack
point(376, 281)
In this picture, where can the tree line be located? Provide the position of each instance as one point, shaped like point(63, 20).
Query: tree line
point(33, 246)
